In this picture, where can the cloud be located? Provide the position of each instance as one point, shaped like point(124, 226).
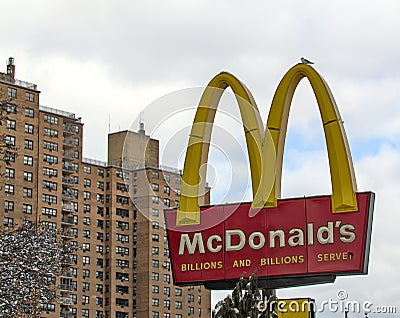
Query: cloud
point(109, 60)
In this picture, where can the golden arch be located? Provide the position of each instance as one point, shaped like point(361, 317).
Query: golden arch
point(198, 146)
point(341, 166)
point(264, 161)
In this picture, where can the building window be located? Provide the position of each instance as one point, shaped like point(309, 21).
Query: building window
point(155, 276)
point(29, 112)
point(28, 161)
point(27, 208)
point(167, 291)
point(11, 124)
point(28, 176)
point(191, 311)
point(30, 97)
point(8, 222)
point(167, 304)
point(155, 187)
point(122, 302)
point(86, 233)
point(50, 159)
point(86, 182)
point(178, 305)
point(50, 145)
point(122, 263)
point(167, 190)
point(167, 202)
point(155, 314)
point(50, 172)
point(51, 119)
point(166, 252)
point(8, 206)
point(154, 174)
point(155, 237)
point(49, 185)
point(9, 157)
point(86, 195)
point(11, 92)
point(100, 172)
point(49, 198)
point(167, 278)
point(85, 273)
point(166, 265)
point(28, 144)
point(122, 276)
point(154, 212)
point(86, 260)
point(50, 132)
point(154, 250)
point(122, 225)
point(85, 312)
point(155, 199)
point(178, 292)
point(28, 129)
point(9, 189)
point(154, 302)
point(155, 225)
point(49, 211)
point(155, 289)
point(87, 170)
point(48, 307)
point(10, 173)
point(122, 200)
point(122, 250)
point(155, 263)
point(27, 192)
point(10, 140)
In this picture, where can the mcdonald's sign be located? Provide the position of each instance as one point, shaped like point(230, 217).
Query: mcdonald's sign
point(289, 242)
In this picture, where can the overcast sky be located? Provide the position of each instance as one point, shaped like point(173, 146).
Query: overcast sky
point(106, 61)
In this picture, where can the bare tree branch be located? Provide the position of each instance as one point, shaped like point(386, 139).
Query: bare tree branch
point(30, 260)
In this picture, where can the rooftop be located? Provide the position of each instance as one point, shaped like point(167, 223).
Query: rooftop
point(131, 168)
point(59, 112)
point(6, 78)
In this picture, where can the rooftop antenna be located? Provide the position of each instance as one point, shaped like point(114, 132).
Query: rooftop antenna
point(141, 122)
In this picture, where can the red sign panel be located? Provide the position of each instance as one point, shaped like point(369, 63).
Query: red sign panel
point(300, 237)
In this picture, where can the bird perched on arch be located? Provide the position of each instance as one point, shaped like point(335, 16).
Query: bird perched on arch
point(305, 61)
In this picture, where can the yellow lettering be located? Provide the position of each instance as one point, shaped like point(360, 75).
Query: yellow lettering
point(263, 262)
point(301, 259)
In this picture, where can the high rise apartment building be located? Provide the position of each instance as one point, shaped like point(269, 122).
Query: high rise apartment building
point(112, 211)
